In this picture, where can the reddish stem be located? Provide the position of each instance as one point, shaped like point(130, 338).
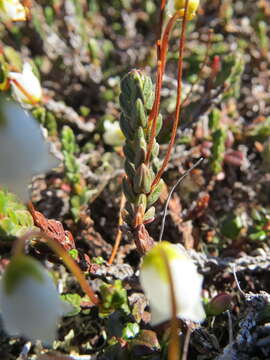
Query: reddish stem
point(152, 121)
point(62, 253)
point(26, 94)
point(161, 19)
point(179, 94)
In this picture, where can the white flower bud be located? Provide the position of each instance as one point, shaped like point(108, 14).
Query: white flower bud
point(29, 303)
point(113, 135)
point(12, 10)
point(24, 152)
point(25, 86)
point(187, 284)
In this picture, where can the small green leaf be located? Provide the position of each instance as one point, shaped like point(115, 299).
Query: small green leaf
point(114, 297)
point(75, 300)
point(130, 331)
point(74, 254)
point(231, 226)
point(258, 236)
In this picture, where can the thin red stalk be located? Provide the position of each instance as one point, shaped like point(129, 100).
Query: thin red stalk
point(161, 19)
point(179, 94)
point(163, 43)
point(174, 344)
point(160, 27)
point(61, 252)
point(29, 97)
point(157, 95)
point(152, 121)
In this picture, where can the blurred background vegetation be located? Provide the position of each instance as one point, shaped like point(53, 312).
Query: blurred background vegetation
point(80, 50)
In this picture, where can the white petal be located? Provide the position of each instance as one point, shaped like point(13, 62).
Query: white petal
point(13, 10)
point(187, 287)
point(66, 308)
point(20, 187)
point(186, 281)
point(170, 9)
point(159, 317)
point(113, 135)
point(23, 150)
point(29, 82)
point(157, 291)
point(108, 125)
point(32, 310)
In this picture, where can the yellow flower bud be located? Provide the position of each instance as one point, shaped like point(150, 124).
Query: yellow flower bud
point(179, 6)
point(12, 10)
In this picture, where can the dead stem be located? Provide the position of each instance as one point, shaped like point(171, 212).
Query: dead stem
point(230, 326)
point(186, 344)
point(174, 344)
point(179, 94)
point(62, 253)
point(119, 232)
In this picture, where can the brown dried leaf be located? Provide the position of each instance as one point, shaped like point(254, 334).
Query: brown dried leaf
point(145, 344)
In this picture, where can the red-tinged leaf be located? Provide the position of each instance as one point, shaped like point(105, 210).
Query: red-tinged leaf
point(235, 158)
point(54, 229)
point(200, 207)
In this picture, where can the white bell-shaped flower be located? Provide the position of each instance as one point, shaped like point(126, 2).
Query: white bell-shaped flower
point(23, 150)
point(12, 10)
point(174, 6)
point(187, 284)
point(29, 303)
point(113, 134)
point(25, 86)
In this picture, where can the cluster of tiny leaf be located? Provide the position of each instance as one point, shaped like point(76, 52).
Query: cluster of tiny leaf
point(218, 138)
point(15, 219)
point(232, 69)
point(79, 195)
point(47, 119)
point(230, 78)
point(114, 297)
point(136, 101)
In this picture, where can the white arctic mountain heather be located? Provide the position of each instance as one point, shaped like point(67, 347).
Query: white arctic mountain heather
point(29, 82)
point(29, 303)
point(12, 10)
point(24, 152)
point(186, 280)
point(113, 134)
